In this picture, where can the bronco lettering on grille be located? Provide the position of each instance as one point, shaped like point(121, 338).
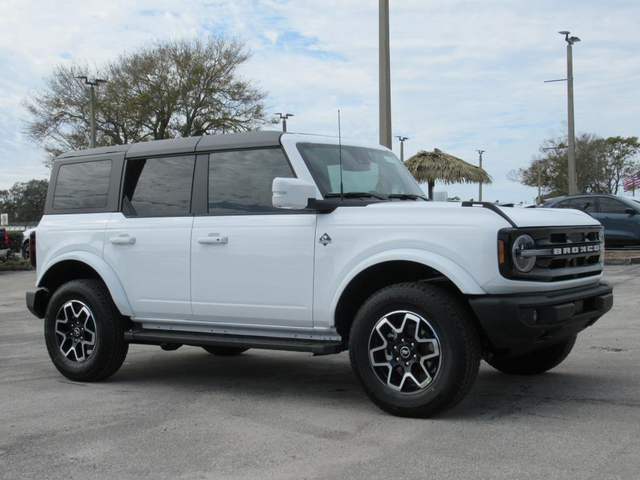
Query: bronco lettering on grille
point(574, 250)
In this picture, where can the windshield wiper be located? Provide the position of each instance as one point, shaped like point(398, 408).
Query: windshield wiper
point(407, 196)
point(354, 195)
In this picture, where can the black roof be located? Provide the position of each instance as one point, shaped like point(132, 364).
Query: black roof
point(227, 141)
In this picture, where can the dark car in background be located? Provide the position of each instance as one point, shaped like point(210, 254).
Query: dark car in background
point(620, 216)
point(4, 245)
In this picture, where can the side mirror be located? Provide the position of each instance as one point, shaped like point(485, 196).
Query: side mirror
point(630, 211)
point(292, 193)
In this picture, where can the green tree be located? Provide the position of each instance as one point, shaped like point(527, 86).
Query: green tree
point(167, 89)
point(24, 202)
point(601, 164)
point(617, 161)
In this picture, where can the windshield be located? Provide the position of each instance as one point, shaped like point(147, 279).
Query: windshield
point(364, 170)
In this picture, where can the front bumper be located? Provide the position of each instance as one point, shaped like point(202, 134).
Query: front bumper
point(519, 324)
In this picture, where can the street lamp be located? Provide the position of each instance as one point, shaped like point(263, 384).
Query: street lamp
point(573, 179)
point(480, 152)
point(92, 104)
point(283, 117)
point(402, 139)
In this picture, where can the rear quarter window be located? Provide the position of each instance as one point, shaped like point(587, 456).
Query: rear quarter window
point(82, 185)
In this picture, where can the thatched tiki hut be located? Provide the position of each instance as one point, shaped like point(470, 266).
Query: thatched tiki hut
point(427, 167)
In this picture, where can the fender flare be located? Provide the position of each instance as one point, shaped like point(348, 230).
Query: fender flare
point(454, 272)
point(106, 273)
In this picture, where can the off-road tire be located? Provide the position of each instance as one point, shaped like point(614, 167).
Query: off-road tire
point(110, 346)
point(452, 326)
point(225, 351)
point(536, 362)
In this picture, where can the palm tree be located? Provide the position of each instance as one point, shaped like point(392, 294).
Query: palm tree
point(427, 167)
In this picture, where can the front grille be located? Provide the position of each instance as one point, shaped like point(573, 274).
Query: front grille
point(561, 253)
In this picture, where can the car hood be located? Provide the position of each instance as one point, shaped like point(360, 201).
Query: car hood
point(522, 217)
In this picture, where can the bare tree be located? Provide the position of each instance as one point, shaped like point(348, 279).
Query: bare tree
point(166, 89)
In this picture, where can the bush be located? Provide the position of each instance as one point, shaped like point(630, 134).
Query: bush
point(15, 241)
point(15, 264)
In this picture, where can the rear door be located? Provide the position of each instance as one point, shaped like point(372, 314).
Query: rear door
point(148, 242)
point(619, 226)
point(252, 264)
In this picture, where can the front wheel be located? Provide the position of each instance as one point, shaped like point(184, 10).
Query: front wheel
point(536, 362)
point(414, 349)
point(25, 251)
point(84, 331)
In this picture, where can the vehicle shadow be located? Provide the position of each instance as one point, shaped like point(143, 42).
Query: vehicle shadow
point(278, 376)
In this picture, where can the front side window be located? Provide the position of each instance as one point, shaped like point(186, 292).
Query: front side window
point(364, 170)
point(609, 205)
point(240, 182)
point(158, 187)
point(584, 203)
point(82, 185)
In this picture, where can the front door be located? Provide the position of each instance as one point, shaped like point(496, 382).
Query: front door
point(251, 263)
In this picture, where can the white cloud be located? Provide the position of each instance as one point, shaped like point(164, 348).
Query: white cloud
point(465, 74)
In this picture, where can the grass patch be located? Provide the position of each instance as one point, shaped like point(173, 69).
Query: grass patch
point(15, 264)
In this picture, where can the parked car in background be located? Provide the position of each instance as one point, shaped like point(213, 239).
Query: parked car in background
point(4, 245)
point(25, 243)
point(619, 216)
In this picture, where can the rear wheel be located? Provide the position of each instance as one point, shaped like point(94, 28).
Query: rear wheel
point(25, 251)
point(414, 350)
point(84, 331)
point(225, 351)
point(536, 362)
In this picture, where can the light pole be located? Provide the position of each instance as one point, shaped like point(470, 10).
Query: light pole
point(480, 152)
point(92, 104)
point(384, 74)
point(573, 181)
point(402, 139)
point(283, 117)
point(573, 178)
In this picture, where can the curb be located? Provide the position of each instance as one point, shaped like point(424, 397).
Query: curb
point(15, 268)
point(622, 261)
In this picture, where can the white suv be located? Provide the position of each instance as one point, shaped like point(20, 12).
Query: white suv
point(305, 243)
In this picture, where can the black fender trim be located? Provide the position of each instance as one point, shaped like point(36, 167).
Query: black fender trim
point(37, 301)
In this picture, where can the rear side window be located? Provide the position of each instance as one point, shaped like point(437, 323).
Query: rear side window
point(158, 187)
point(609, 205)
point(82, 185)
point(240, 182)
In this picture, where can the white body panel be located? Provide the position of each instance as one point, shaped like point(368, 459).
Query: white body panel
point(260, 275)
point(459, 242)
point(155, 270)
point(59, 235)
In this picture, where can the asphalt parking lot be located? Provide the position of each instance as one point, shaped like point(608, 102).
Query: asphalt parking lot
point(188, 414)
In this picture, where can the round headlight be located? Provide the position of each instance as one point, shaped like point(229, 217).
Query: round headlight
point(523, 243)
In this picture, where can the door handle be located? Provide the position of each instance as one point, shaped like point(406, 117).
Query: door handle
point(213, 239)
point(123, 240)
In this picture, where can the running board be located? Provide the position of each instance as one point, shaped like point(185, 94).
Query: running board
point(151, 337)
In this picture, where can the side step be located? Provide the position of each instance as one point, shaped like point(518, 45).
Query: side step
point(153, 337)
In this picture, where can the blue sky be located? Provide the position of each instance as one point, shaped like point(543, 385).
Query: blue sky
point(466, 75)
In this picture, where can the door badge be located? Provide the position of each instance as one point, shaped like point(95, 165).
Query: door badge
point(325, 240)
